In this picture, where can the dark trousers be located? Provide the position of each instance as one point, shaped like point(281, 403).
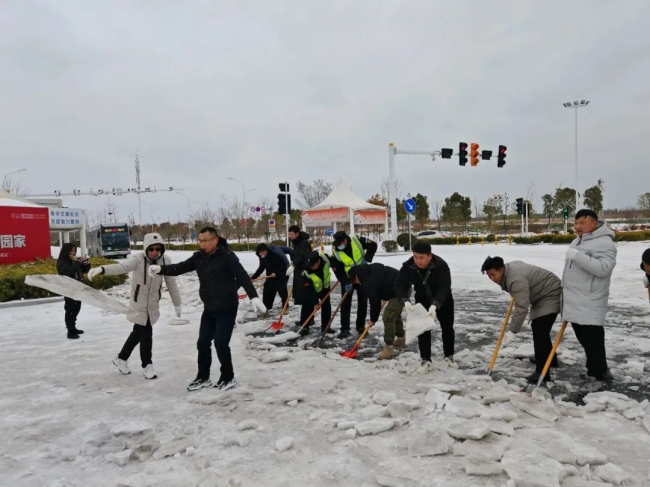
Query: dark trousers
point(592, 339)
point(72, 309)
point(298, 285)
point(216, 326)
point(445, 315)
point(273, 286)
point(143, 335)
point(362, 310)
point(542, 341)
point(311, 299)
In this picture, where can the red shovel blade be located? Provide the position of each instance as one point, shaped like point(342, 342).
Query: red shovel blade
point(277, 325)
point(350, 353)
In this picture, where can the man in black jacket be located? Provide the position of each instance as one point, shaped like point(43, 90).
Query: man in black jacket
point(276, 270)
point(430, 277)
point(220, 275)
point(378, 284)
point(645, 267)
point(301, 249)
point(348, 252)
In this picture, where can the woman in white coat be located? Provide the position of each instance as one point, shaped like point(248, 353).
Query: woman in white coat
point(144, 308)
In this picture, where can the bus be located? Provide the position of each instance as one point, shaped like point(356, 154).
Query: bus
point(109, 240)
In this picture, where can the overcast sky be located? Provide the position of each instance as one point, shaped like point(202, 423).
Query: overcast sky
point(269, 91)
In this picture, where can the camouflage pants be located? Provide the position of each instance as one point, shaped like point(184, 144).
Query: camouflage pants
point(392, 318)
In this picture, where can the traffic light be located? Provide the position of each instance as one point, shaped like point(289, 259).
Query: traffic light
point(565, 212)
point(474, 155)
point(520, 206)
point(462, 153)
point(284, 187)
point(446, 153)
point(502, 156)
point(282, 204)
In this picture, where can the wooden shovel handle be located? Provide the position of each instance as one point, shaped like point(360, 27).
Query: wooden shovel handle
point(501, 335)
point(319, 305)
point(558, 339)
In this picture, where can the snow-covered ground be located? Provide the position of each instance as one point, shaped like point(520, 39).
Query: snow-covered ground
point(69, 418)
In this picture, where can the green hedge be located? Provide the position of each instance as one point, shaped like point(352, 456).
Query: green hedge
point(389, 245)
point(545, 238)
point(12, 278)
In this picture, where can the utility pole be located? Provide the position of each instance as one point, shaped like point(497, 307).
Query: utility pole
point(137, 182)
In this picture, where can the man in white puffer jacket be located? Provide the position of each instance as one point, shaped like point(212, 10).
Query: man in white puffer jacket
point(144, 308)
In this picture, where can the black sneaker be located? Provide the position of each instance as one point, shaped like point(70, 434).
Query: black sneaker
point(607, 377)
point(223, 385)
point(78, 331)
point(360, 330)
point(304, 332)
point(344, 334)
point(199, 384)
point(534, 378)
point(72, 335)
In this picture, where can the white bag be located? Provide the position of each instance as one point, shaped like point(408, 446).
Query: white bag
point(418, 321)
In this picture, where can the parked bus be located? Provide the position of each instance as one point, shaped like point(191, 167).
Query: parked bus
point(109, 240)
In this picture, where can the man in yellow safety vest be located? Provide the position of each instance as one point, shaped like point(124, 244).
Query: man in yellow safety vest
point(316, 286)
point(349, 252)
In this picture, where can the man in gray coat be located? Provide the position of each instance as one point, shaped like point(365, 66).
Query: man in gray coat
point(588, 268)
point(144, 309)
point(535, 288)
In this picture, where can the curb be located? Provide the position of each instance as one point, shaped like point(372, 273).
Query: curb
point(31, 302)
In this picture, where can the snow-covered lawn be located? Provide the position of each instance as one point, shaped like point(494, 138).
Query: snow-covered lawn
point(68, 416)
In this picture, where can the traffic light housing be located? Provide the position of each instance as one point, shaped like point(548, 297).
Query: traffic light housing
point(282, 204)
point(284, 187)
point(565, 212)
point(486, 155)
point(462, 153)
point(520, 206)
point(474, 155)
point(446, 153)
point(502, 156)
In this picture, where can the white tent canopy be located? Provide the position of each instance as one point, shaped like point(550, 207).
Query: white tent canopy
point(7, 199)
point(340, 206)
point(343, 197)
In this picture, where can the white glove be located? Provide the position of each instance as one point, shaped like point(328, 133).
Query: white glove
point(258, 305)
point(153, 270)
point(432, 311)
point(509, 338)
point(289, 270)
point(571, 253)
point(408, 307)
point(646, 283)
point(178, 310)
point(95, 272)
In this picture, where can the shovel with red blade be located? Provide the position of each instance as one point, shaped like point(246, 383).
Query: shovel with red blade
point(353, 353)
point(277, 325)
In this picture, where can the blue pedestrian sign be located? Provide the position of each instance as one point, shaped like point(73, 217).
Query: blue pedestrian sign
point(409, 205)
point(330, 231)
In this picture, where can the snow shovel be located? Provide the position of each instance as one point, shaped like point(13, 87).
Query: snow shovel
point(243, 296)
point(353, 353)
point(319, 305)
point(501, 335)
point(319, 341)
point(277, 325)
point(547, 366)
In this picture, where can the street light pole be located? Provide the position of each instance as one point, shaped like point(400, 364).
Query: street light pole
point(575, 105)
point(244, 193)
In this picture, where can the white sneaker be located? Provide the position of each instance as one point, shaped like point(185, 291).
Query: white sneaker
point(122, 365)
point(149, 372)
point(224, 386)
point(425, 367)
point(451, 362)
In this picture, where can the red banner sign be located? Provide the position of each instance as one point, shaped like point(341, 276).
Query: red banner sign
point(24, 234)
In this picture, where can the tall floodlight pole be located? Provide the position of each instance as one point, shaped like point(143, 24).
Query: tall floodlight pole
point(575, 105)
